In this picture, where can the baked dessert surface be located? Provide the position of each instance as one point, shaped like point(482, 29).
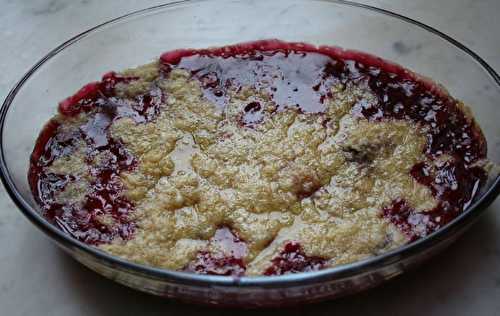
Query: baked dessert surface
point(262, 158)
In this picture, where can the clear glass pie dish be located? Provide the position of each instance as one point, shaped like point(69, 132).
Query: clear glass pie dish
point(142, 36)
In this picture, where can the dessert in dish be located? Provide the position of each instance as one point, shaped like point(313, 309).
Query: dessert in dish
point(262, 158)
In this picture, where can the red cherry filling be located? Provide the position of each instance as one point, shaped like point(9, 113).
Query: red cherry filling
point(227, 260)
point(104, 197)
point(292, 259)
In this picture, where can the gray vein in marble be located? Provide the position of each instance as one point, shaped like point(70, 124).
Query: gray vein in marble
point(52, 7)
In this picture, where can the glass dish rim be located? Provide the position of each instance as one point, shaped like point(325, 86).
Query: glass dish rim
point(340, 272)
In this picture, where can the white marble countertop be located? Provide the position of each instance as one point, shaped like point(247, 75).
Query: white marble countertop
point(36, 278)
